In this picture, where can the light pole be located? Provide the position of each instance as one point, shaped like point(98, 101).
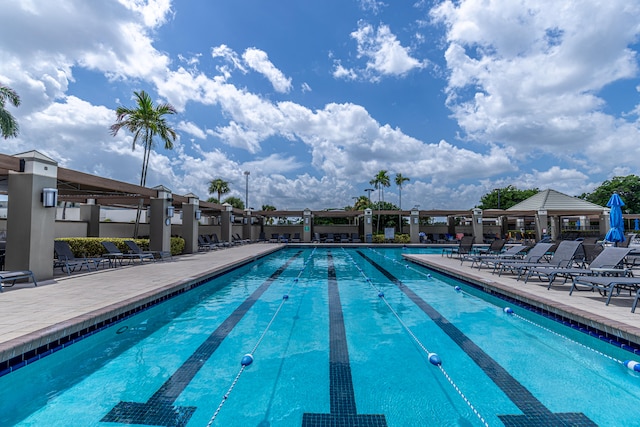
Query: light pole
point(246, 190)
point(368, 191)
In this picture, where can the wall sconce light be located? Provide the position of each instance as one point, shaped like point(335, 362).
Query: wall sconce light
point(198, 214)
point(306, 220)
point(49, 197)
point(233, 218)
point(368, 220)
point(170, 211)
point(415, 220)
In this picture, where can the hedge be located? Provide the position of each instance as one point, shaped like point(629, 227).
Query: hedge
point(91, 246)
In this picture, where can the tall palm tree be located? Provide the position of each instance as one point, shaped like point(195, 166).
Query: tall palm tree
point(8, 124)
point(379, 182)
point(399, 181)
point(145, 122)
point(219, 186)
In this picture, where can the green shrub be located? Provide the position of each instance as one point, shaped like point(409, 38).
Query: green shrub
point(91, 246)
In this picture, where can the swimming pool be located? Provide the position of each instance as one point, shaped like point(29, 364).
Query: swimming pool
point(337, 335)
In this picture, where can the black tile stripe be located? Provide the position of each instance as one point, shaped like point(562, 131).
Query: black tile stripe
point(159, 409)
point(534, 412)
point(341, 394)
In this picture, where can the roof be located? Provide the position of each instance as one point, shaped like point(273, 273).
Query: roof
point(554, 201)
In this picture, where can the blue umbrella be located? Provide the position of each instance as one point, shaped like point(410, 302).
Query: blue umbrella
point(616, 232)
point(636, 224)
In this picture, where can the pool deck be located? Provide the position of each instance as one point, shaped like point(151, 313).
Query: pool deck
point(36, 319)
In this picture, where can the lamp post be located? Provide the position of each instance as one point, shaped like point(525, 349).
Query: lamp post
point(246, 190)
point(368, 191)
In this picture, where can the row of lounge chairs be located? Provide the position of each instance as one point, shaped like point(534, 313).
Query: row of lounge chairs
point(590, 266)
point(211, 242)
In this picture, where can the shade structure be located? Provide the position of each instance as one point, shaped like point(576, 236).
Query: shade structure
point(616, 232)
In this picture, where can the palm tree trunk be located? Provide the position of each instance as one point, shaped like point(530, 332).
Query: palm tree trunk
point(143, 181)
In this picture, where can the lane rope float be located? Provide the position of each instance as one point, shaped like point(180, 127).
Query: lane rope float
point(248, 358)
point(432, 357)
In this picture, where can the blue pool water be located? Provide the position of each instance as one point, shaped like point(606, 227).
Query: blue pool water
point(337, 336)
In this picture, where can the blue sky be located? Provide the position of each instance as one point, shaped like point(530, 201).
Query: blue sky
point(314, 98)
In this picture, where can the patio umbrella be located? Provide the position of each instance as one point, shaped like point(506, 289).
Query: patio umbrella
point(616, 232)
point(636, 224)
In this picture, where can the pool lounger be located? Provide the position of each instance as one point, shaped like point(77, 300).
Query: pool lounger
point(12, 276)
point(608, 285)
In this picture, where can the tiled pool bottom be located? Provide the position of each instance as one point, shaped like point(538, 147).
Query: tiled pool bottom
point(334, 354)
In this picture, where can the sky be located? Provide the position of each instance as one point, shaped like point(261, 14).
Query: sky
point(313, 98)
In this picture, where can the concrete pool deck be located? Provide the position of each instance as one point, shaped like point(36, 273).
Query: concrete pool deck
point(35, 319)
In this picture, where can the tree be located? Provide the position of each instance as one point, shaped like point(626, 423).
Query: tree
point(361, 203)
point(379, 182)
point(219, 186)
point(399, 181)
point(8, 124)
point(504, 198)
point(628, 187)
point(268, 208)
point(145, 122)
point(236, 202)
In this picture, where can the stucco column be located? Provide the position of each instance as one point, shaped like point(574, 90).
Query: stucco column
point(31, 225)
point(190, 223)
point(478, 227)
point(160, 222)
point(368, 225)
point(414, 226)
point(541, 224)
point(90, 213)
point(605, 222)
point(247, 225)
point(225, 223)
point(307, 223)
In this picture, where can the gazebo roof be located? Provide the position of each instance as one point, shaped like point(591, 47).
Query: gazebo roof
point(555, 202)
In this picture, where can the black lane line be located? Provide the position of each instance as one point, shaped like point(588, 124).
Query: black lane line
point(159, 409)
point(341, 394)
point(534, 412)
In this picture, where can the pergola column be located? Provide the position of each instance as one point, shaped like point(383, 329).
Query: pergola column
point(31, 215)
point(90, 213)
point(226, 225)
point(190, 223)
point(368, 225)
point(160, 223)
point(307, 232)
point(477, 227)
point(414, 226)
point(247, 225)
point(541, 224)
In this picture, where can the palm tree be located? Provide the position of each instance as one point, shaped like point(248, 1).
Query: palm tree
point(219, 186)
point(399, 180)
point(380, 181)
point(145, 122)
point(361, 203)
point(8, 124)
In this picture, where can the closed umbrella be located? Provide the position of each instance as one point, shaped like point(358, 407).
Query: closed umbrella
point(636, 224)
point(616, 232)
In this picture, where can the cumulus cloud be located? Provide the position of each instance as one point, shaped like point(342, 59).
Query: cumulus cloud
point(258, 60)
point(384, 55)
point(528, 74)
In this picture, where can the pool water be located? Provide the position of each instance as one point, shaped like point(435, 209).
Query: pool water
point(338, 337)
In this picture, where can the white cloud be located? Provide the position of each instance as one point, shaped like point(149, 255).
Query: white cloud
point(384, 53)
point(192, 129)
point(258, 60)
point(528, 74)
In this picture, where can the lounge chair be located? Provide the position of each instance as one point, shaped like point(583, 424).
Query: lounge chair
point(68, 262)
point(12, 276)
point(262, 237)
point(535, 254)
point(464, 247)
point(330, 238)
point(215, 241)
point(239, 240)
point(609, 261)
point(154, 255)
point(607, 285)
point(494, 248)
point(316, 237)
point(295, 238)
point(275, 238)
point(563, 257)
point(513, 252)
point(355, 238)
point(115, 255)
point(204, 245)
